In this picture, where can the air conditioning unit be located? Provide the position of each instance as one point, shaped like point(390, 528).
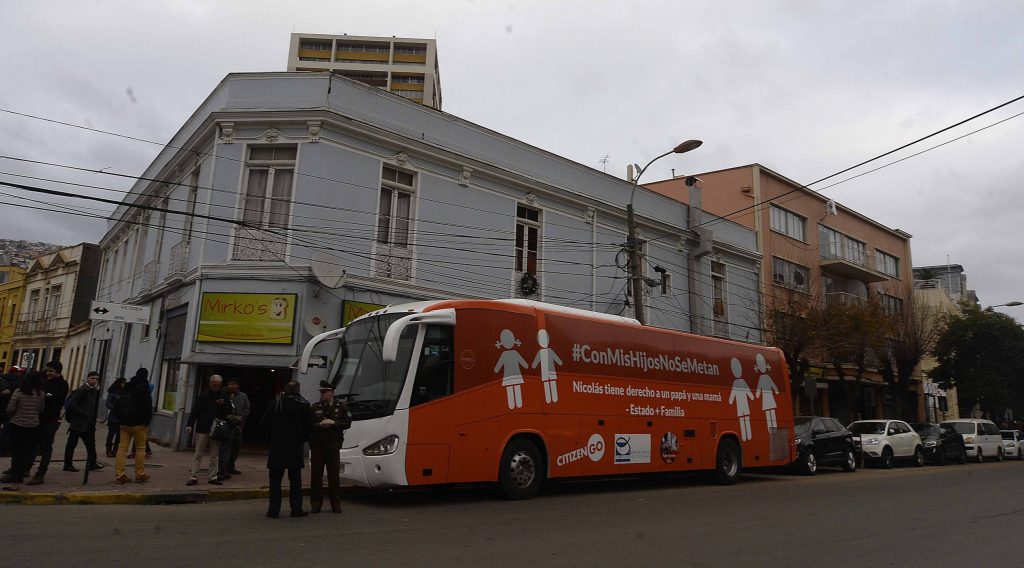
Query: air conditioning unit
point(830, 207)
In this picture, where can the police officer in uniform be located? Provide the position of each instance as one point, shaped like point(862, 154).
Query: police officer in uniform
point(330, 420)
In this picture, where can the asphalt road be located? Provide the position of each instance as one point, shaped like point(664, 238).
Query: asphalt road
point(933, 516)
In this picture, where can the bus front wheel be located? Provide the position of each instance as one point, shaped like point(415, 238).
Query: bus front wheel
point(522, 469)
point(727, 462)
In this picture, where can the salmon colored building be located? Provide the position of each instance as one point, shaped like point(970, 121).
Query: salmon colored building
point(812, 245)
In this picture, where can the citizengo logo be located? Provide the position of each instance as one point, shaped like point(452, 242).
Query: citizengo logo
point(593, 450)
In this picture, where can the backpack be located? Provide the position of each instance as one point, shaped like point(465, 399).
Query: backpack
point(122, 405)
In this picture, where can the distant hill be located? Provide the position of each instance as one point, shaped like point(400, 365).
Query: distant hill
point(21, 253)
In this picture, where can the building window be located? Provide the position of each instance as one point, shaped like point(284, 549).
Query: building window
point(394, 219)
point(887, 263)
point(891, 304)
point(527, 239)
point(169, 395)
point(836, 245)
point(718, 300)
point(52, 301)
point(268, 188)
point(785, 273)
point(788, 223)
point(33, 304)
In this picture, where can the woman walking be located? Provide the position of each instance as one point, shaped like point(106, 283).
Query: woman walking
point(113, 424)
point(24, 408)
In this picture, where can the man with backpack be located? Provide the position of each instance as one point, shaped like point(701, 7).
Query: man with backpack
point(80, 412)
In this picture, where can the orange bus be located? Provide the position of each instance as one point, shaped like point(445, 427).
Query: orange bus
point(517, 391)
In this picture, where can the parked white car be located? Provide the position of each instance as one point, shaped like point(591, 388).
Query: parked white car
point(1013, 445)
point(885, 441)
point(981, 438)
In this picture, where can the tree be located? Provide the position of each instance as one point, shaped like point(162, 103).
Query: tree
point(792, 321)
point(912, 334)
point(850, 337)
point(981, 353)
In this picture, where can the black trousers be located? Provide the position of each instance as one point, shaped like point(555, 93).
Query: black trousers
point(113, 436)
point(24, 442)
point(294, 486)
point(47, 430)
point(323, 456)
point(89, 438)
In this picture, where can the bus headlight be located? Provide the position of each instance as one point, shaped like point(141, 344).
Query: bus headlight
point(383, 447)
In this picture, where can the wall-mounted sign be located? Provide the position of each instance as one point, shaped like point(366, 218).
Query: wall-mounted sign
point(247, 318)
point(351, 310)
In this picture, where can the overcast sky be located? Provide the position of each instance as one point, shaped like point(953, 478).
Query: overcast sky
point(805, 88)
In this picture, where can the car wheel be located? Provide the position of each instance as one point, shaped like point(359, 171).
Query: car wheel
point(727, 462)
point(809, 464)
point(980, 458)
point(522, 469)
point(851, 461)
point(918, 457)
point(888, 461)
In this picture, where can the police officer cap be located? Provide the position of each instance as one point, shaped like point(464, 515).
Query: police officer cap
point(324, 385)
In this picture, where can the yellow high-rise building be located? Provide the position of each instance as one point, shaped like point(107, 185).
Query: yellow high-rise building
point(12, 290)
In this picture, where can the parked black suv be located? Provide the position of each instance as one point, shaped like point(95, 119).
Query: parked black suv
point(941, 443)
point(822, 441)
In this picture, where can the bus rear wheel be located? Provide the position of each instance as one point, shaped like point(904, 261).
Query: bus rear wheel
point(522, 469)
point(727, 462)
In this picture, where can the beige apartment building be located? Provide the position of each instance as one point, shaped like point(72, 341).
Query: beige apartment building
point(813, 247)
point(404, 66)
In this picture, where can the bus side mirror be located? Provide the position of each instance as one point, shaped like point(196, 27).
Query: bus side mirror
point(389, 351)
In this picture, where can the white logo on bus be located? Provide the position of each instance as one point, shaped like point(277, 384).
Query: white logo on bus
point(593, 450)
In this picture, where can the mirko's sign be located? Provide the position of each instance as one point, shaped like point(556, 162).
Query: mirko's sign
point(247, 318)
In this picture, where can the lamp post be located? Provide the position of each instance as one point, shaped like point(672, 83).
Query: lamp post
point(1008, 304)
point(636, 279)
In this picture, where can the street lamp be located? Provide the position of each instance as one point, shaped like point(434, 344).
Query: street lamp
point(633, 244)
point(1008, 304)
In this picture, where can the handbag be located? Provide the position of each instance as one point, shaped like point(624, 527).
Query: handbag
point(221, 430)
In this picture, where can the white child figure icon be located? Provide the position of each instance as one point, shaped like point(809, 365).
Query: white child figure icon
point(766, 391)
point(742, 396)
point(547, 359)
point(509, 364)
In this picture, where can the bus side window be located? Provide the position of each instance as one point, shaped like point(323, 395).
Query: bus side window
point(435, 372)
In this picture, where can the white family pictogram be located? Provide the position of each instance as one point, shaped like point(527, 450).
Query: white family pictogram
point(766, 391)
point(510, 365)
point(547, 359)
point(741, 396)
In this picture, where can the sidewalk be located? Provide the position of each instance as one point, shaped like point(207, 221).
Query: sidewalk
point(168, 471)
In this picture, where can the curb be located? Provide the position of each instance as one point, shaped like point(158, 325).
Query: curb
point(119, 498)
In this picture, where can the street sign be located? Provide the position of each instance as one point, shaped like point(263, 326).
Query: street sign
point(128, 313)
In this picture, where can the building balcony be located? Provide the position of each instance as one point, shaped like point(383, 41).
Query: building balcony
point(257, 244)
point(394, 262)
point(850, 263)
point(179, 259)
point(36, 326)
point(843, 299)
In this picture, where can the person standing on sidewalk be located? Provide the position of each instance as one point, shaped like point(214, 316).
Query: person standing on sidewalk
point(56, 392)
point(229, 450)
point(330, 420)
point(24, 408)
point(113, 426)
point(81, 415)
point(212, 404)
point(288, 419)
point(134, 409)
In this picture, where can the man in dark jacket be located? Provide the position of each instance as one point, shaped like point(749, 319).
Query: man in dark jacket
point(56, 390)
point(330, 420)
point(80, 412)
point(212, 404)
point(288, 419)
point(8, 384)
point(134, 410)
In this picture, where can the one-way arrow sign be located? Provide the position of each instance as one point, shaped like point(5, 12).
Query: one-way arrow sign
point(128, 313)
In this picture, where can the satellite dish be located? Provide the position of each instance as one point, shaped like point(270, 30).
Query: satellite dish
point(328, 269)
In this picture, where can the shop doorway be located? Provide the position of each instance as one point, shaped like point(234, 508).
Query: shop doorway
point(260, 384)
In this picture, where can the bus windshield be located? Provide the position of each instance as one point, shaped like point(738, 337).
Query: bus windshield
point(370, 387)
